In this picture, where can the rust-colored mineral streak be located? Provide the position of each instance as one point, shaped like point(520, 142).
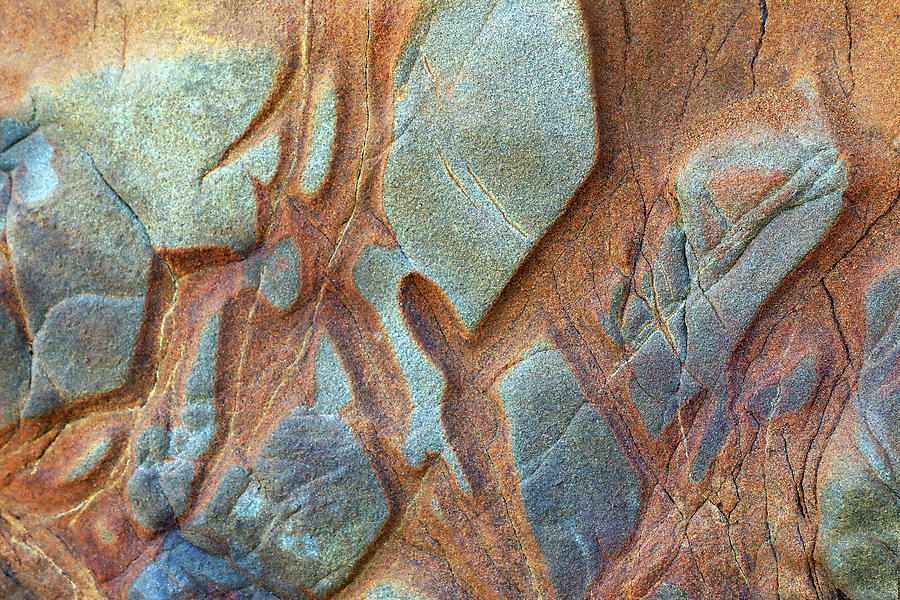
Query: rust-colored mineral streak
point(449, 299)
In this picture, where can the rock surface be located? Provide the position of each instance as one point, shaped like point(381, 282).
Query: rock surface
point(449, 299)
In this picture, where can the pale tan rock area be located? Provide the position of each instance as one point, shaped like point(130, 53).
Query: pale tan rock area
point(449, 300)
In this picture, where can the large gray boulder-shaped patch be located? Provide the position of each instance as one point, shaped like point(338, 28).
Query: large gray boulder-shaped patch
point(68, 231)
point(734, 270)
point(581, 495)
point(171, 119)
point(493, 131)
point(86, 343)
point(300, 518)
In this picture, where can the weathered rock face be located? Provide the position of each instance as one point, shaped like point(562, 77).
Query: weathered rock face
point(446, 299)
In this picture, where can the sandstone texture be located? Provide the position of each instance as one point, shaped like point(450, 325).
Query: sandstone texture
point(450, 299)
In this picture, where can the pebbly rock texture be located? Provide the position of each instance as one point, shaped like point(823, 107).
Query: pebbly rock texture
point(449, 299)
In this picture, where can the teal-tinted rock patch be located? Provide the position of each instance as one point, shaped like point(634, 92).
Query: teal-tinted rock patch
point(493, 131)
point(712, 274)
point(182, 571)
point(43, 396)
point(89, 459)
point(302, 515)
point(877, 397)
point(580, 493)
point(541, 396)
point(859, 523)
point(321, 137)
point(737, 257)
point(199, 384)
point(172, 118)
point(377, 275)
point(175, 478)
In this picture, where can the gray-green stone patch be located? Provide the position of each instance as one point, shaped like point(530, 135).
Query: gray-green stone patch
point(859, 524)
point(81, 263)
point(159, 487)
point(581, 494)
point(321, 138)
point(493, 132)
point(377, 275)
point(279, 276)
point(390, 591)
point(191, 438)
point(156, 127)
point(89, 459)
point(877, 398)
point(15, 370)
point(749, 253)
point(181, 571)
point(86, 343)
point(789, 393)
point(37, 179)
point(146, 498)
point(70, 233)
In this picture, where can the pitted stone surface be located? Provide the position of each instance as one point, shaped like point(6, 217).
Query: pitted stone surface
point(173, 117)
point(301, 517)
point(493, 132)
point(449, 299)
point(55, 243)
point(580, 493)
point(86, 343)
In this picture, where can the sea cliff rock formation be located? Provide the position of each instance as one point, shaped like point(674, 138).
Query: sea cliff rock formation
point(449, 299)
